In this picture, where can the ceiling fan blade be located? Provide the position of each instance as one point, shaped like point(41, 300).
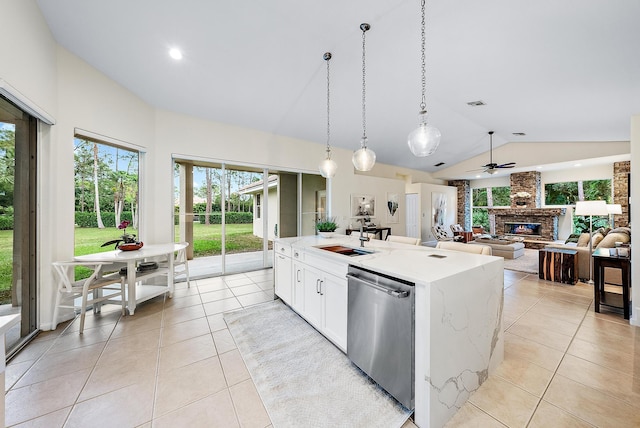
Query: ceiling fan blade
point(490, 165)
point(507, 165)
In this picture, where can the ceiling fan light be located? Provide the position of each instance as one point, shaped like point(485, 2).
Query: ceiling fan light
point(328, 168)
point(425, 139)
point(492, 171)
point(364, 158)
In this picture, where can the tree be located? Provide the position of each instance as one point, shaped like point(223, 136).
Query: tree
point(95, 183)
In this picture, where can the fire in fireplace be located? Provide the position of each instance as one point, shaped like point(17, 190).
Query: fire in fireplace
point(528, 229)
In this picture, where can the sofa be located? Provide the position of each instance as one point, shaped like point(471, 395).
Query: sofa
point(501, 247)
point(601, 238)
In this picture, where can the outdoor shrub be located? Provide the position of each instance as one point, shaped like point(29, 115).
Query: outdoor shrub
point(231, 218)
point(88, 219)
point(6, 222)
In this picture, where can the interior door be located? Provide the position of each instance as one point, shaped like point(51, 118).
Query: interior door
point(412, 215)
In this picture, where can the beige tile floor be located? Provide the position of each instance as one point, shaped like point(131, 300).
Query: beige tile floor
point(174, 364)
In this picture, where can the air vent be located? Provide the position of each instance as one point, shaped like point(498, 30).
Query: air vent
point(476, 103)
point(519, 134)
point(439, 164)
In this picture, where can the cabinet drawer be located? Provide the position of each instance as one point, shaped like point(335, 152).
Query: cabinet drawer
point(281, 248)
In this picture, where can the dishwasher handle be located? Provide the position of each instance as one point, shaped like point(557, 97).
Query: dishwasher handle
point(391, 292)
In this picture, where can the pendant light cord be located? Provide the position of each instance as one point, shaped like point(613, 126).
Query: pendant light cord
point(364, 28)
point(327, 58)
point(423, 104)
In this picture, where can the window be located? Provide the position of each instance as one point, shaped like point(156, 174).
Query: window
point(567, 193)
point(106, 193)
point(258, 213)
point(488, 197)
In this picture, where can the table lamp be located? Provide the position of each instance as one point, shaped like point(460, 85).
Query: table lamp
point(613, 209)
point(591, 208)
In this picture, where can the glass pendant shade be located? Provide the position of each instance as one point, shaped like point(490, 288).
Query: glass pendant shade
point(424, 140)
point(328, 168)
point(364, 158)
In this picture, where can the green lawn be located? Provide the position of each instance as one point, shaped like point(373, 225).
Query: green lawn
point(207, 242)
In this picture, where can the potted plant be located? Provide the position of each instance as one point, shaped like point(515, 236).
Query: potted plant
point(326, 227)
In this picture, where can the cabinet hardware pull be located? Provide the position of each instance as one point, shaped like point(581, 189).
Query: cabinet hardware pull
point(321, 293)
point(298, 275)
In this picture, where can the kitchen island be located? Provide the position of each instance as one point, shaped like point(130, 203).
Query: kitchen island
point(459, 338)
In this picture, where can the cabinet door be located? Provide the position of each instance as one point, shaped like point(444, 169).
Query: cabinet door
point(283, 283)
point(297, 302)
point(334, 314)
point(312, 298)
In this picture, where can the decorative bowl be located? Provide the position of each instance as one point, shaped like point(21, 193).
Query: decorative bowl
point(130, 246)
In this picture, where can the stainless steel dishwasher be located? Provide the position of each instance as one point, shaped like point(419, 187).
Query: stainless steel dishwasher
point(381, 330)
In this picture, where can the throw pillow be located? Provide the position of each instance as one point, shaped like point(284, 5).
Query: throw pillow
point(612, 237)
point(597, 237)
point(572, 238)
point(626, 230)
point(583, 240)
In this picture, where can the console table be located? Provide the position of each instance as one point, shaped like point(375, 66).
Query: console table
point(607, 257)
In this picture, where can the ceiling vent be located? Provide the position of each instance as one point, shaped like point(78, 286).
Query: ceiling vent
point(439, 164)
point(519, 134)
point(476, 103)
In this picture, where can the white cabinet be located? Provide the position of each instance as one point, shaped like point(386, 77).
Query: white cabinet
point(312, 297)
point(315, 287)
point(334, 314)
point(298, 285)
point(325, 305)
point(283, 281)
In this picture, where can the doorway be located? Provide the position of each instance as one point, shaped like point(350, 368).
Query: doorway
point(18, 156)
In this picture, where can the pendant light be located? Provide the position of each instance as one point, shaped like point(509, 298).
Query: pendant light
point(328, 166)
point(364, 158)
point(424, 140)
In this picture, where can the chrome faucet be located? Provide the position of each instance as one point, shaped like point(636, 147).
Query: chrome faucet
point(363, 238)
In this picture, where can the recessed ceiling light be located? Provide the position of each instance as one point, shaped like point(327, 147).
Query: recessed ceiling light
point(519, 134)
point(476, 103)
point(478, 176)
point(439, 164)
point(175, 53)
point(578, 164)
point(538, 167)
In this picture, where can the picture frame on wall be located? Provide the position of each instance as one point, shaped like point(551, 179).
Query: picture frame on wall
point(438, 208)
point(363, 206)
point(392, 208)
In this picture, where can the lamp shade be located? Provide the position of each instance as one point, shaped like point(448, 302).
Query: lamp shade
point(591, 208)
point(364, 159)
point(614, 208)
point(328, 168)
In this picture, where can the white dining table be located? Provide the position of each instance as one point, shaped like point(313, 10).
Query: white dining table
point(140, 293)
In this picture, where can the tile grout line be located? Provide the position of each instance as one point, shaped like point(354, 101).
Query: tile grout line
point(564, 353)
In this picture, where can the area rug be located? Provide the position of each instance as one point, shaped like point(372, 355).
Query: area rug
point(303, 379)
point(527, 263)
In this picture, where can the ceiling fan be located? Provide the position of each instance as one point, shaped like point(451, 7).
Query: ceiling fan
point(492, 167)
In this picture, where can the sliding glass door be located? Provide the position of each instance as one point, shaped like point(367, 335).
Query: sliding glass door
point(18, 221)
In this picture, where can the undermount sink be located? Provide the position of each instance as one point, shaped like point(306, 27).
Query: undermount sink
point(346, 251)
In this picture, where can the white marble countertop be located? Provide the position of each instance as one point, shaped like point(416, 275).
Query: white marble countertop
point(410, 262)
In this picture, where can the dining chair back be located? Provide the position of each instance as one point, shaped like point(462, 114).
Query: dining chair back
point(467, 248)
point(69, 290)
point(403, 239)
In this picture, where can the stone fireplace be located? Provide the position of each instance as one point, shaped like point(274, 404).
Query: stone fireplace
point(525, 218)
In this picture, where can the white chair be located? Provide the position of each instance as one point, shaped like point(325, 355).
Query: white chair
point(467, 248)
point(403, 239)
point(69, 290)
point(456, 228)
point(180, 263)
point(440, 233)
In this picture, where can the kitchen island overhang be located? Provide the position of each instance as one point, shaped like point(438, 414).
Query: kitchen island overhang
point(459, 337)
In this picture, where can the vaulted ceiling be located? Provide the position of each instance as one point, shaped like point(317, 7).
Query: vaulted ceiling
point(557, 71)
